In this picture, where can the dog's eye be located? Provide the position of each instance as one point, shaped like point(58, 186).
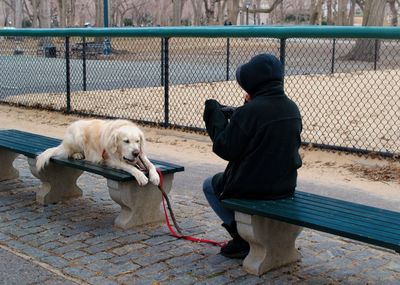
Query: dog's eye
point(126, 141)
point(138, 141)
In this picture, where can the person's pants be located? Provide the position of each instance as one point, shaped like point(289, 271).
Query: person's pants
point(226, 215)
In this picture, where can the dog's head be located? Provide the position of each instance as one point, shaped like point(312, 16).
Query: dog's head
point(126, 143)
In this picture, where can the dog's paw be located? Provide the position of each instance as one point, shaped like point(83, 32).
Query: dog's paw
point(78, 156)
point(154, 177)
point(141, 179)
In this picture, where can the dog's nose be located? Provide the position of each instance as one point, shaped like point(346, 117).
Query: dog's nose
point(135, 153)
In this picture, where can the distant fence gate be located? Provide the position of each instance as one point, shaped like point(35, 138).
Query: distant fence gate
point(344, 79)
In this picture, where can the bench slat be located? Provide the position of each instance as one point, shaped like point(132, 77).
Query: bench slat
point(356, 214)
point(322, 216)
point(23, 143)
point(31, 145)
point(365, 210)
point(334, 218)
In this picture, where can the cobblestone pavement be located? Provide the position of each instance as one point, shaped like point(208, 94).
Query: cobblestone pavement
point(75, 242)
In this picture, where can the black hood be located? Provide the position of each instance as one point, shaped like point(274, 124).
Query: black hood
point(262, 72)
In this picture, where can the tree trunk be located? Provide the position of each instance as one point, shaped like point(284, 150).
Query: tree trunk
point(158, 12)
point(99, 22)
point(196, 4)
point(365, 50)
point(315, 12)
point(329, 18)
point(342, 13)
point(258, 5)
point(72, 13)
point(34, 14)
point(221, 12)
point(18, 14)
point(209, 9)
point(61, 12)
point(233, 11)
point(176, 12)
point(393, 11)
point(44, 14)
point(351, 13)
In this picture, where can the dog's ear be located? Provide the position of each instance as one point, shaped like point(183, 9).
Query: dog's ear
point(112, 143)
point(142, 140)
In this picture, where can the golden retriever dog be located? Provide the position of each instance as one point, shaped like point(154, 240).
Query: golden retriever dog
point(116, 143)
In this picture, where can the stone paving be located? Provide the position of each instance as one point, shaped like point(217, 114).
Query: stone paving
point(77, 242)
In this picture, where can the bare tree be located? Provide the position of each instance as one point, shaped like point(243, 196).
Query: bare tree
point(351, 12)
point(341, 19)
point(44, 14)
point(61, 12)
point(10, 11)
point(18, 13)
point(365, 50)
point(221, 8)
point(233, 11)
point(34, 13)
point(176, 12)
point(7, 14)
point(315, 11)
point(329, 11)
point(196, 6)
point(99, 13)
point(271, 8)
point(209, 7)
point(394, 12)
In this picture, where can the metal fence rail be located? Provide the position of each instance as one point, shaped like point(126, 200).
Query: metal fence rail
point(164, 75)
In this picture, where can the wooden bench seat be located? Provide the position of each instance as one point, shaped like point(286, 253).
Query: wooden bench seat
point(271, 227)
point(139, 205)
point(89, 49)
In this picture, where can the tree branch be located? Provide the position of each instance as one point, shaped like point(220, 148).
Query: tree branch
point(9, 5)
point(268, 10)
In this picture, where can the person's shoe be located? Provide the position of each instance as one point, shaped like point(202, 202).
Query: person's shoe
point(237, 247)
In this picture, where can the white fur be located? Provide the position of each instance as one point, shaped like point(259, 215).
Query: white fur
point(121, 140)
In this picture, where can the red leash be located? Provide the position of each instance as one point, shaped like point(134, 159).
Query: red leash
point(173, 233)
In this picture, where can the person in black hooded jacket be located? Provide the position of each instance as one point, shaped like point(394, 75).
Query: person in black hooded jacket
point(261, 142)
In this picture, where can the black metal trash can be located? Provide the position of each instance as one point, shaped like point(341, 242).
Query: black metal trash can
point(50, 51)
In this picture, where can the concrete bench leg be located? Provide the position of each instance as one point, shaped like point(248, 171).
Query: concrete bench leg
point(7, 170)
point(272, 243)
point(58, 182)
point(139, 204)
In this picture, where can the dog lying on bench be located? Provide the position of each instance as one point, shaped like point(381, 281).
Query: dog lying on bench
point(116, 143)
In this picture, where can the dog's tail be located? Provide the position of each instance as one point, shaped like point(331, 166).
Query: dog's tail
point(43, 159)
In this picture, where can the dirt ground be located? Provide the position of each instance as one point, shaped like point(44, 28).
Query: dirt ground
point(333, 110)
point(373, 174)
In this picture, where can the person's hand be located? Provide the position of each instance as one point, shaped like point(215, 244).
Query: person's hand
point(210, 106)
point(247, 98)
point(228, 111)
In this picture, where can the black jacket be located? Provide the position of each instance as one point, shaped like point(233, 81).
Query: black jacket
point(261, 141)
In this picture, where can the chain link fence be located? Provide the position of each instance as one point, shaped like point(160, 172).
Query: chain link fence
point(346, 104)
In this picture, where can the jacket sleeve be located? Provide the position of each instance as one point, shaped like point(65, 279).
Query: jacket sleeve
point(229, 139)
point(214, 118)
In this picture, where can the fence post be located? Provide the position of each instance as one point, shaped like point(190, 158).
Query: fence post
point(166, 82)
point(162, 61)
point(376, 54)
point(228, 55)
point(282, 51)
point(68, 74)
point(333, 56)
point(84, 63)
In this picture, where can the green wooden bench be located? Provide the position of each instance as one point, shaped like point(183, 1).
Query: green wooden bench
point(139, 205)
point(271, 227)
